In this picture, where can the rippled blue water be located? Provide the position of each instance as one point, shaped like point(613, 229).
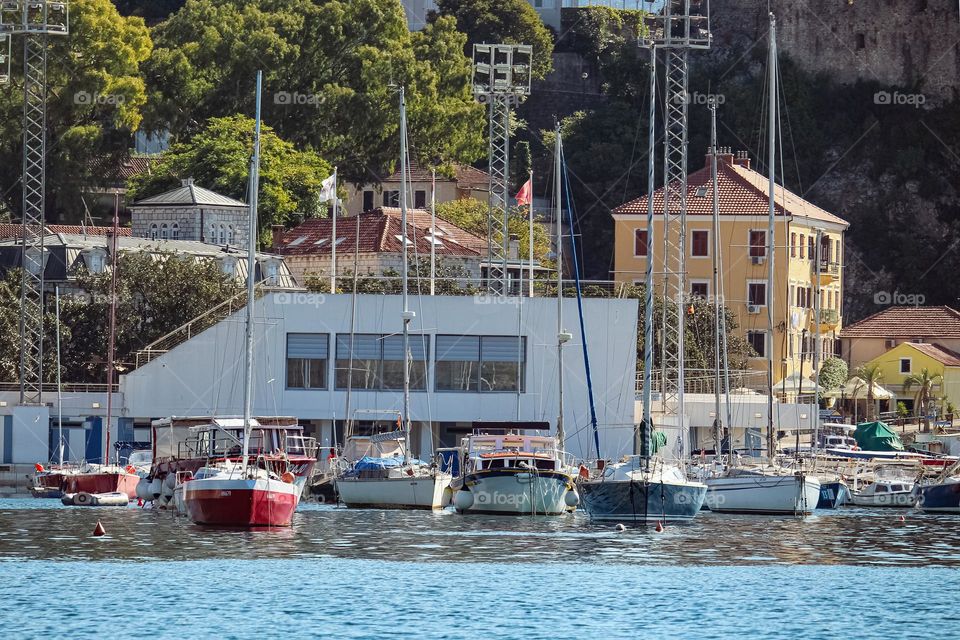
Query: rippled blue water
point(371, 574)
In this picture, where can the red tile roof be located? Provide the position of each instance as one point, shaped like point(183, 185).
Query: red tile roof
point(465, 176)
point(380, 232)
point(743, 192)
point(940, 354)
point(907, 323)
point(8, 231)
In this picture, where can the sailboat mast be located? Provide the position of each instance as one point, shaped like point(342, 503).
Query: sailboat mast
point(561, 435)
point(407, 314)
point(112, 340)
point(717, 315)
point(56, 293)
point(646, 428)
point(251, 269)
point(771, 230)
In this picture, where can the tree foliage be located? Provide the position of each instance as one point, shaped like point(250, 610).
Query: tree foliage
point(472, 214)
point(218, 158)
point(95, 98)
point(833, 373)
point(331, 71)
point(154, 297)
point(502, 21)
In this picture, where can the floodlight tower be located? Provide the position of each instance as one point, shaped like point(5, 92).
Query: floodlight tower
point(501, 77)
point(35, 21)
point(679, 27)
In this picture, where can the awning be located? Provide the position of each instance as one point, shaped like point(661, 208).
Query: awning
point(856, 389)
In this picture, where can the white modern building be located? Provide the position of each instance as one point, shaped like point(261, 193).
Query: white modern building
point(475, 360)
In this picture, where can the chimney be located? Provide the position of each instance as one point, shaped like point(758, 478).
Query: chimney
point(742, 159)
point(187, 182)
point(276, 232)
point(724, 156)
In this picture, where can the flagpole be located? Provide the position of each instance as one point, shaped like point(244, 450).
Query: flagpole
point(433, 228)
point(333, 238)
point(530, 266)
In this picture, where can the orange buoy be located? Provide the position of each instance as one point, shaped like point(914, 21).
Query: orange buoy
point(99, 530)
point(38, 467)
point(132, 470)
point(659, 526)
point(288, 477)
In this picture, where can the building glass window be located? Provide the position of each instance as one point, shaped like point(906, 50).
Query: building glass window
point(153, 231)
point(391, 198)
point(803, 246)
point(419, 199)
point(164, 232)
point(640, 242)
point(699, 243)
point(307, 355)
point(757, 294)
point(758, 342)
point(368, 200)
point(700, 289)
point(480, 363)
point(793, 245)
point(378, 362)
point(175, 231)
point(230, 235)
point(810, 244)
point(758, 243)
point(905, 365)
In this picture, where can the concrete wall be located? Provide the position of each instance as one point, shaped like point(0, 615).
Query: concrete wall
point(203, 376)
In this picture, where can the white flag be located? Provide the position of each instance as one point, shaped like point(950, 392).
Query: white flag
point(328, 189)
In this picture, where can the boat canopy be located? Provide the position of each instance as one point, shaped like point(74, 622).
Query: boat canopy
point(877, 436)
point(369, 463)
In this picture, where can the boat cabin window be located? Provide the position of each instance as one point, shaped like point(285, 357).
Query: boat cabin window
point(545, 464)
point(880, 489)
point(896, 487)
point(496, 463)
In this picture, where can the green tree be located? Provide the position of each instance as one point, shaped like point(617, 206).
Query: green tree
point(218, 158)
point(923, 384)
point(871, 375)
point(154, 297)
point(502, 21)
point(331, 73)
point(833, 373)
point(471, 214)
point(96, 94)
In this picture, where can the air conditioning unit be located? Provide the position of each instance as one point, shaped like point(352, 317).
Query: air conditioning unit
point(753, 308)
point(758, 259)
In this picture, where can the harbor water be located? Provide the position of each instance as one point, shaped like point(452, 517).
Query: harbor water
point(370, 574)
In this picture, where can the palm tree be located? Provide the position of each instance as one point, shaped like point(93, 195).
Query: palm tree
point(923, 382)
point(871, 374)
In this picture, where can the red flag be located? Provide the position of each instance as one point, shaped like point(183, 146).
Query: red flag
point(523, 196)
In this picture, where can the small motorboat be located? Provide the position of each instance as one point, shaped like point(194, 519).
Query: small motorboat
point(885, 493)
point(833, 494)
point(942, 495)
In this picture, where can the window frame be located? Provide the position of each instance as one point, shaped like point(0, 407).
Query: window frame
point(751, 283)
point(636, 246)
point(306, 366)
point(754, 250)
point(705, 232)
point(763, 335)
point(909, 362)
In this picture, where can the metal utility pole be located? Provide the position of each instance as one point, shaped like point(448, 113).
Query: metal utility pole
point(501, 76)
point(35, 21)
point(679, 27)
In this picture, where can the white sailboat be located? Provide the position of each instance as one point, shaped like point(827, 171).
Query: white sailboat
point(395, 479)
point(764, 489)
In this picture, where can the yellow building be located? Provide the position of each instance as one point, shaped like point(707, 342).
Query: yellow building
point(910, 358)
point(743, 240)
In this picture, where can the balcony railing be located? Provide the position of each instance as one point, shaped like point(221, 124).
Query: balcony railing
point(828, 267)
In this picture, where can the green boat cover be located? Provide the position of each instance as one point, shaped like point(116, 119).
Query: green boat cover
point(877, 436)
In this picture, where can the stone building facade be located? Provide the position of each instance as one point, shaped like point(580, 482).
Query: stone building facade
point(191, 212)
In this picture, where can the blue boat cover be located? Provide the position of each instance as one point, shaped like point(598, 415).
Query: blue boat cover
point(370, 463)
